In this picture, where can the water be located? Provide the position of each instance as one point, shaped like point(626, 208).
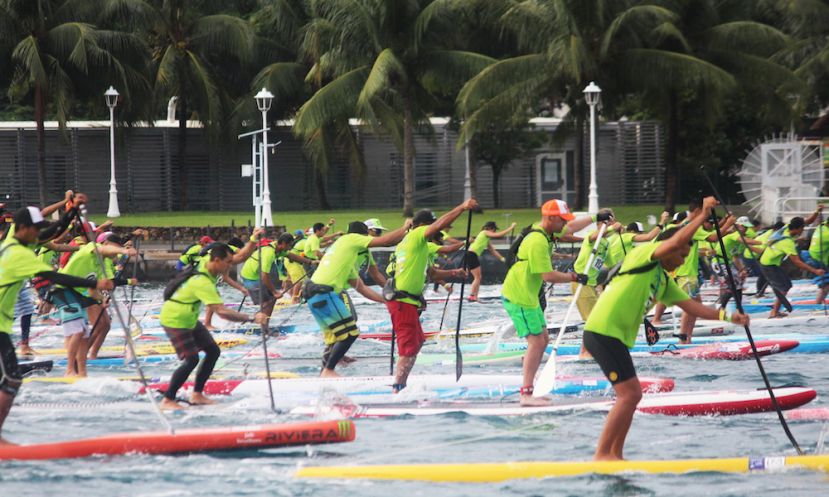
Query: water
point(438, 439)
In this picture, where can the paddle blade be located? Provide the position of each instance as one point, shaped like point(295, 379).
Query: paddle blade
point(783, 300)
point(546, 381)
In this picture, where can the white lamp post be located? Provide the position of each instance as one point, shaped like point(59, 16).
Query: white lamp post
point(112, 100)
point(592, 94)
point(263, 101)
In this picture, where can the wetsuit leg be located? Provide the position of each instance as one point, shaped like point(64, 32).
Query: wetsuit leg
point(204, 341)
point(338, 351)
point(25, 327)
point(180, 375)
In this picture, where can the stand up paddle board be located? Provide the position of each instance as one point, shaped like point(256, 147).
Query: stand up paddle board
point(503, 471)
point(720, 403)
point(187, 441)
point(470, 385)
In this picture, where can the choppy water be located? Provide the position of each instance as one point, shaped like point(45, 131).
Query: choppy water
point(449, 438)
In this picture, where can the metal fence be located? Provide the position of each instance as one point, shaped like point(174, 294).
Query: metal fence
point(630, 169)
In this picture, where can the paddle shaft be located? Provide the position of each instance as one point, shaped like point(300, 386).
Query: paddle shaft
point(739, 305)
point(780, 295)
point(265, 327)
point(130, 344)
point(549, 370)
point(458, 354)
point(445, 306)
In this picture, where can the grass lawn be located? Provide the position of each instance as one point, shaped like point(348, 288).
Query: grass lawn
point(390, 218)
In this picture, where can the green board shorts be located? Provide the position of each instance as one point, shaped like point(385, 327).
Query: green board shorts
point(527, 320)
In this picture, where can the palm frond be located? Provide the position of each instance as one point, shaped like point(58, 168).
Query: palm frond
point(447, 70)
point(223, 35)
point(513, 101)
point(499, 77)
point(27, 55)
point(636, 19)
point(386, 71)
point(335, 100)
point(746, 36)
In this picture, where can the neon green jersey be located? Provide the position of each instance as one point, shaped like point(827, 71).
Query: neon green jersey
point(780, 246)
point(250, 269)
point(523, 281)
point(182, 310)
point(480, 244)
point(618, 247)
point(690, 268)
point(190, 255)
point(411, 259)
point(84, 264)
point(819, 246)
point(628, 297)
point(339, 264)
point(18, 263)
point(598, 261)
point(312, 246)
point(762, 237)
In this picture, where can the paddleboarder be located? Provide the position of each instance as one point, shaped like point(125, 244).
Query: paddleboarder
point(590, 289)
point(404, 291)
point(781, 245)
point(179, 317)
point(632, 234)
point(522, 290)
point(818, 256)
point(336, 271)
point(476, 252)
point(19, 263)
point(614, 324)
point(190, 255)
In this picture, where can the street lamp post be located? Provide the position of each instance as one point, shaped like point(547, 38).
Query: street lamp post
point(111, 96)
point(592, 94)
point(263, 101)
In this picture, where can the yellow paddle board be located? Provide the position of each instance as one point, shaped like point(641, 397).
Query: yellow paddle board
point(495, 472)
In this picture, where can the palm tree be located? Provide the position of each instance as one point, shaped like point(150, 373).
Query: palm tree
point(736, 50)
point(196, 47)
point(627, 46)
point(56, 56)
point(384, 62)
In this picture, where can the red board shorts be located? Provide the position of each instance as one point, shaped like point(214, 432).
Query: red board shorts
point(405, 320)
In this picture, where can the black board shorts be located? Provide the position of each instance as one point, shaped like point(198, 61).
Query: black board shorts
point(612, 355)
point(8, 360)
point(778, 278)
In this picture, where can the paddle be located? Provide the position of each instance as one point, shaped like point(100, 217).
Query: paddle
point(780, 295)
point(739, 304)
point(239, 309)
point(820, 244)
point(546, 382)
point(458, 354)
point(445, 306)
point(82, 213)
point(265, 328)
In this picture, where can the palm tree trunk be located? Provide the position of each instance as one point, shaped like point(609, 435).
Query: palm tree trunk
point(671, 153)
point(322, 195)
point(182, 153)
point(408, 157)
point(40, 110)
point(496, 186)
point(473, 169)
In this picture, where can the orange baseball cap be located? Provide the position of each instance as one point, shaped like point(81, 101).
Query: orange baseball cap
point(557, 208)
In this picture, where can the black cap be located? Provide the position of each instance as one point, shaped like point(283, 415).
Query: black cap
point(112, 237)
point(29, 216)
point(424, 216)
point(491, 226)
point(358, 227)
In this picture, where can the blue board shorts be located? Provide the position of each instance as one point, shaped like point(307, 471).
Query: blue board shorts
point(336, 319)
point(252, 286)
point(820, 281)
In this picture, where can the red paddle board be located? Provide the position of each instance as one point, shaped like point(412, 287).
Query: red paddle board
point(731, 351)
point(185, 441)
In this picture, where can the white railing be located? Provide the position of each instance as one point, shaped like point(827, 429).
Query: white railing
point(780, 206)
